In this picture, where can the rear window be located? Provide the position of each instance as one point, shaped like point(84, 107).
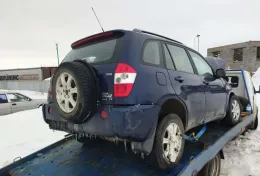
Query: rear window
point(95, 53)
point(3, 98)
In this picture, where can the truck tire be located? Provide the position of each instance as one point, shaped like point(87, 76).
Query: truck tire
point(212, 168)
point(169, 144)
point(233, 115)
point(75, 91)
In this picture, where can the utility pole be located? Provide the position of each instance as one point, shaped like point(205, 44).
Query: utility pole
point(57, 50)
point(194, 43)
point(198, 42)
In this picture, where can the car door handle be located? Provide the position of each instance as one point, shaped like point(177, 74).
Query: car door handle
point(14, 104)
point(179, 78)
point(206, 82)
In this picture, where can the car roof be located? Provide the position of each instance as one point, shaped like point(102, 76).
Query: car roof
point(147, 34)
point(151, 35)
point(7, 91)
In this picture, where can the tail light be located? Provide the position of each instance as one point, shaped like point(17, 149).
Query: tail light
point(124, 80)
point(49, 92)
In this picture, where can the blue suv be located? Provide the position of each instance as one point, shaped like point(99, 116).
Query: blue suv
point(140, 88)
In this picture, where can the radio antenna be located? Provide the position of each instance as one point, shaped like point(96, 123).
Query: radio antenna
point(98, 20)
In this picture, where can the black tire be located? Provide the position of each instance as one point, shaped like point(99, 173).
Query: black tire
point(87, 88)
point(229, 119)
point(212, 168)
point(157, 157)
point(254, 125)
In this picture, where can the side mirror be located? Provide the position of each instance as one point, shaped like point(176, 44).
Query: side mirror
point(220, 73)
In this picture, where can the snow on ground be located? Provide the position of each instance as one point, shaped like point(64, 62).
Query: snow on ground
point(242, 156)
point(23, 133)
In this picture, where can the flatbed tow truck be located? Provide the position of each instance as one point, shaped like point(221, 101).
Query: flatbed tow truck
point(202, 155)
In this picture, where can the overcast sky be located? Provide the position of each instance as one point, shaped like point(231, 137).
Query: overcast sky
point(29, 29)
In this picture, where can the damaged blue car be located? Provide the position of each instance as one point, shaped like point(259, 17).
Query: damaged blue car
point(140, 88)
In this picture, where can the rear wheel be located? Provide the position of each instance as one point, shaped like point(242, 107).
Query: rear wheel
point(212, 168)
point(254, 125)
point(233, 115)
point(169, 143)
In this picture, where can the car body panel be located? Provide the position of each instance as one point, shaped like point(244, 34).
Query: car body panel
point(191, 92)
point(215, 92)
point(125, 122)
point(5, 108)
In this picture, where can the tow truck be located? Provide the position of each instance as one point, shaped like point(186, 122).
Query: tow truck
point(202, 155)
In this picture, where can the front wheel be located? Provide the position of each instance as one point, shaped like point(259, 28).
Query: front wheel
point(169, 143)
point(233, 111)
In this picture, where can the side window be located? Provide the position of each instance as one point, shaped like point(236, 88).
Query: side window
point(22, 97)
point(233, 81)
point(201, 65)
point(181, 59)
point(16, 97)
point(3, 98)
point(12, 97)
point(168, 59)
point(151, 54)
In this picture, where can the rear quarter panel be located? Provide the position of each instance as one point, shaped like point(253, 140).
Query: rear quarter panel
point(151, 82)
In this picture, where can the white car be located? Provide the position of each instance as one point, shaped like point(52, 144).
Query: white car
point(11, 102)
point(242, 84)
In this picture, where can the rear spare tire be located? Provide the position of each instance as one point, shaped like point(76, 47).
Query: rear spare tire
point(75, 91)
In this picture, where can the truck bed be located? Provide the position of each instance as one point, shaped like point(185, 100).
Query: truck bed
point(68, 157)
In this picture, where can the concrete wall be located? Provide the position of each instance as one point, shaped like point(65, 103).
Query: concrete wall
point(26, 79)
point(38, 86)
point(21, 74)
point(249, 63)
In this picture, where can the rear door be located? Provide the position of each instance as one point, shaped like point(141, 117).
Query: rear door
point(216, 94)
point(187, 85)
point(5, 106)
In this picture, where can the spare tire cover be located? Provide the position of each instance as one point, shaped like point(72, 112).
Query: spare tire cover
point(75, 91)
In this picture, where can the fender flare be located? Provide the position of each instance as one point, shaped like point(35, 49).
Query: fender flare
point(228, 98)
point(174, 97)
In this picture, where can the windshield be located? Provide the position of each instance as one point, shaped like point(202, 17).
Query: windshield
point(95, 53)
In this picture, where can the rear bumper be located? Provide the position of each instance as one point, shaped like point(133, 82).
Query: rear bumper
point(134, 123)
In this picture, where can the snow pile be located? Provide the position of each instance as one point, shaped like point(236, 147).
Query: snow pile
point(31, 94)
point(24, 133)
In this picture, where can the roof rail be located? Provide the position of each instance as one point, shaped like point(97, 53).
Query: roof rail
point(142, 31)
